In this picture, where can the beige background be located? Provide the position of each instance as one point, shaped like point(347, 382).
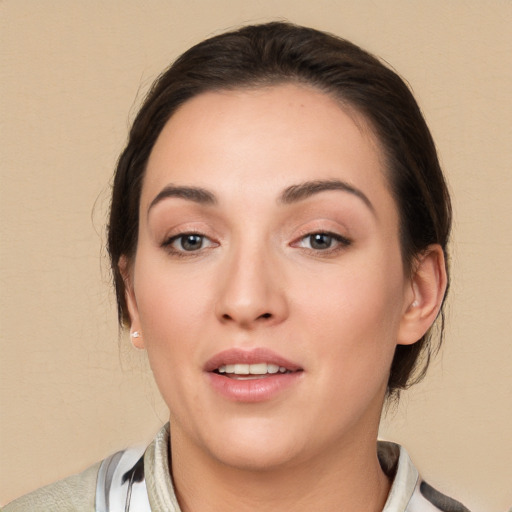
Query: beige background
point(73, 73)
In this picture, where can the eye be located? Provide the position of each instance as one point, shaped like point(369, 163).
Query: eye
point(188, 242)
point(323, 241)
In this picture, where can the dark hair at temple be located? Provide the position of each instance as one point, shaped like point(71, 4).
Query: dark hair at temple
point(265, 55)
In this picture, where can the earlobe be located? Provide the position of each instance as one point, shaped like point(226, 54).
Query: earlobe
point(428, 287)
point(131, 303)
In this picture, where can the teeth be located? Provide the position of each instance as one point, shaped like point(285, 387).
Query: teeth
point(258, 369)
point(241, 369)
point(251, 369)
point(272, 368)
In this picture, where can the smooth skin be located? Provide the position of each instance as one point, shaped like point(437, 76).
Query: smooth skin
point(229, 256)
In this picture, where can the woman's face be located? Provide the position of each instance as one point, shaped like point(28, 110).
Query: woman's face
point(268, 283)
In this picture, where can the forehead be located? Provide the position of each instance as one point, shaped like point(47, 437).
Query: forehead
point(262, 140)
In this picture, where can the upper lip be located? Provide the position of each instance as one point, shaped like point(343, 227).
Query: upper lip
point(252, 356)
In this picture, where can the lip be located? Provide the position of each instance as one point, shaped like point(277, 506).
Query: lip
point(254, 390)
point(253, 356)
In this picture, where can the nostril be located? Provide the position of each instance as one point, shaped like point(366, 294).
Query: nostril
point(245, 319)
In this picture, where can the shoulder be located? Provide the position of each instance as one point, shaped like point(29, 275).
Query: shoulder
point(73, 494)
point(112, 484)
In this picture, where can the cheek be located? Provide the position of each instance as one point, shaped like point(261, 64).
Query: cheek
point(355, 317)
point(172, 308)
point(172, 321)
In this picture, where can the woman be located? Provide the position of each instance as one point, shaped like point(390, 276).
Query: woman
point(278, 235)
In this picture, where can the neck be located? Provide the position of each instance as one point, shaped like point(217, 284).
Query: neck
point(348, 477)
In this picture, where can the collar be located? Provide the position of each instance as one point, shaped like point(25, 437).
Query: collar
point(393, 458)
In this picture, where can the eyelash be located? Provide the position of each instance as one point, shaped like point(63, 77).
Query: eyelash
point(340, 242)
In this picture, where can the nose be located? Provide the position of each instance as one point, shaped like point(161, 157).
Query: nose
point(252, 291)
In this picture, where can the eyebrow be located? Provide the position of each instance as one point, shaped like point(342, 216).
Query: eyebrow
point(303, 191)
point(195, 194)
point(290, 195)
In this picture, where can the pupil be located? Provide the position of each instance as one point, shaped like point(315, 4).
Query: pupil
point(320, 241)
point(191, 242)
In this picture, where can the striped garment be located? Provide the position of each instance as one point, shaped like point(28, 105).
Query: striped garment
point(138, 480)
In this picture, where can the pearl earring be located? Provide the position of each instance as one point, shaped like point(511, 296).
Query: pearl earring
point(134, 335)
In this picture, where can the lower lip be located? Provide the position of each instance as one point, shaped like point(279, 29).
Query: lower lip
point(253, 390)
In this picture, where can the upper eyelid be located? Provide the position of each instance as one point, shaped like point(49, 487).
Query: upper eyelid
point(173, 236)
point(168, 240)
point(187, 229)
point(319, 225)
point(313, 228)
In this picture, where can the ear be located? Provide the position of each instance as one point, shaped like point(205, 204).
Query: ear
point(425, 297)
point(131, 302)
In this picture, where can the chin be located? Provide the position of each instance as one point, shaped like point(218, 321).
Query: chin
point(252, 457)
point(255, 446)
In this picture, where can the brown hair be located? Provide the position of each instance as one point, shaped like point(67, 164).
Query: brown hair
point(273, 53)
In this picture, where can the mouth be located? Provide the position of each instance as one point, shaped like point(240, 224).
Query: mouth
point(244, 371)
point(249, 376)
